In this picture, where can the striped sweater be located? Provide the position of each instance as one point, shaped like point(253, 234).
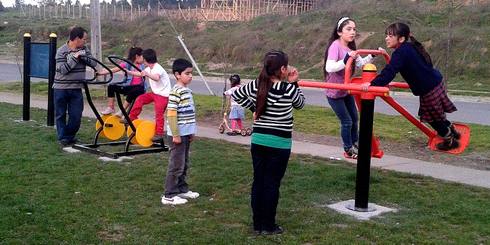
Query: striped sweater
point(181, 101)
point(70, 68)
point(275, 126)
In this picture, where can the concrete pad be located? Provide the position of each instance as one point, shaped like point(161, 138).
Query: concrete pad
point(70, 150)
point(22, 121)
point(120, 159)
point(341, 207)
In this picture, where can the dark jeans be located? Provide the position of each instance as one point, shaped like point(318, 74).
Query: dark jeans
point(269, 167)
point(71, 101)
point(178, 163)
point(346, 110)
point(132, 91)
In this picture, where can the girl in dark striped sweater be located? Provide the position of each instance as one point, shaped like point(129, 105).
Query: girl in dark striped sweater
point(272, 97)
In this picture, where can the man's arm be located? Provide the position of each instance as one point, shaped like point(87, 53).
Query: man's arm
point(86, 60)
point(65, 62)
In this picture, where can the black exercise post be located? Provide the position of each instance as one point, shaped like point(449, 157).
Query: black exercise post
point(52, 68)
point(26, 77)
point(364, 157)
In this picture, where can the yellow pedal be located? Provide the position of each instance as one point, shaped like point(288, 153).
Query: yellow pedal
point(144, 132)
point(113, 128)
point(129, 131)
point(98, 125)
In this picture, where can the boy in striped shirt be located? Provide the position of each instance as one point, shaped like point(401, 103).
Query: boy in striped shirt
point(181, 127)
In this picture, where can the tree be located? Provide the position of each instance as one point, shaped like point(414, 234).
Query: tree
point(124, 3)
point(1, 7)
point(19, 3)
point(47, 2)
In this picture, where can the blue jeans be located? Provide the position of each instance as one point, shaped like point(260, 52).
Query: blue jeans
point(70, 100)
point(346, 110)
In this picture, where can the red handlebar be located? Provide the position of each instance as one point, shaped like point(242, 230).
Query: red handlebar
point(348, 65)
point(353, 87)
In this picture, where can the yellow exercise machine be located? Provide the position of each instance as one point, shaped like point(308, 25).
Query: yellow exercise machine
point(139, 132)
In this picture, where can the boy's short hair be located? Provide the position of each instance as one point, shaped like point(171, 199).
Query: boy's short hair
point(150, 56)
point(180, 65)
point(77, 32)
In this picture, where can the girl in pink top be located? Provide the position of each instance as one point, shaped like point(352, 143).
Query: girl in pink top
point(341, 46)
point(133, 87)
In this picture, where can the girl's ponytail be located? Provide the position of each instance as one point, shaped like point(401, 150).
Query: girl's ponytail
point(420, 48)
point(273, 62)
point(264, 85)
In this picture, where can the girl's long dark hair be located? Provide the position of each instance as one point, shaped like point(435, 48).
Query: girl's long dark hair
point(133, 51)
point(273, 61)
point(402, 30)
point(334, 36)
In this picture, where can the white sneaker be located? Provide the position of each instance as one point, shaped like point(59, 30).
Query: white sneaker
point(189, 195)
point(173, 200)
point(108, 110)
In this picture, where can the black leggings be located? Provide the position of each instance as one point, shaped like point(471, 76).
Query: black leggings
point(442, 127)
point(269, 167)
point(132, 91)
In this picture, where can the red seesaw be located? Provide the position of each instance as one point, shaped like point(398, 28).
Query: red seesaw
point(353, 85)
point(368, 144)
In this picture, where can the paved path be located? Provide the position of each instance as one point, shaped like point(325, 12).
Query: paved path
point(441, 171)
point(470, 109)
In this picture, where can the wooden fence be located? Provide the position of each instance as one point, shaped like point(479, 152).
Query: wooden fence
point(239, 10)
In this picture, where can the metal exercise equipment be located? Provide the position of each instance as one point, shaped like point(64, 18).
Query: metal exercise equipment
point(368, 144)
point(110, 127)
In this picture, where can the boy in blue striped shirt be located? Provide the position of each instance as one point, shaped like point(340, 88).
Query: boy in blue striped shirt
point(181, 128)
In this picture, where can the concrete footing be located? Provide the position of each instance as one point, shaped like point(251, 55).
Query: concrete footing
point(374, 210)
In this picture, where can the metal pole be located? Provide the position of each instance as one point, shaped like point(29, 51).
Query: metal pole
point(95, 33)
point(179, 37)
point(26, 77)
point(52, 67)
point(364, 157)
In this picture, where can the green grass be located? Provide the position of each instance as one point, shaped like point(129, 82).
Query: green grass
point(313, 120)
point(48, 196)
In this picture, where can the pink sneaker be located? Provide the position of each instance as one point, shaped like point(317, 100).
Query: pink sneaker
point(108, 110)
point(118, 114)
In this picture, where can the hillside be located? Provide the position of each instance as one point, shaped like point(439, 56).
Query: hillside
point(238, 47)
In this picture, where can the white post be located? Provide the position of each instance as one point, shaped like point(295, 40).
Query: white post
point(95, 35)
point(179, 37)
